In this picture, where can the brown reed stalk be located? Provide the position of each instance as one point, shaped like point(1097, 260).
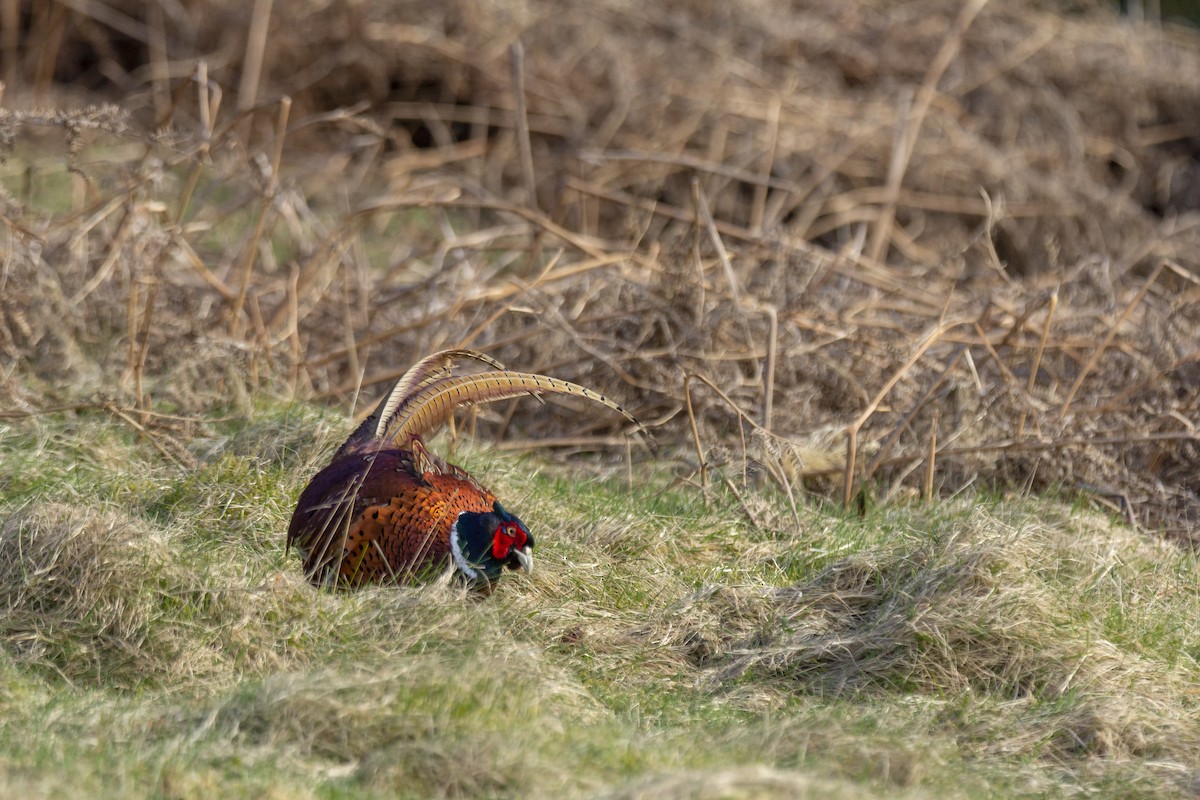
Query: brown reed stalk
point(524, 146)
point(50, 27)
point(251, 252)
point(293, 335)
point(700, 460)
point(889, 441)
point(768, 411)
point(927, 486)
point(10, 39)
point(710, 226)
point(208, 101)
point(909, 129)
point(252, 64)
point(160, 73)
point(759, 204)
point(143, 345)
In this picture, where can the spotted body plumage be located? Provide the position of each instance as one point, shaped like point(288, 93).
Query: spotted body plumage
point(388, 510)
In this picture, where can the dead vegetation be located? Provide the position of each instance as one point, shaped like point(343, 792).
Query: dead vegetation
point(982, 263)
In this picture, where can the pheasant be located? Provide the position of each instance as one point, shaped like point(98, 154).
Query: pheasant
point(386, 509)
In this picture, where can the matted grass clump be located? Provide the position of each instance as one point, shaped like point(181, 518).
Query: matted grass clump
point(1003, 607)
point(73, 585)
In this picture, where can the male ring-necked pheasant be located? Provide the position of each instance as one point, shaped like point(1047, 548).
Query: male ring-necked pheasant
point(386, 509)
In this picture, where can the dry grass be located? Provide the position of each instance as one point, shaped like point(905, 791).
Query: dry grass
point(995, 283)
point(871, 251)
point(976, 607)
point(924, 651)
point(737, 783)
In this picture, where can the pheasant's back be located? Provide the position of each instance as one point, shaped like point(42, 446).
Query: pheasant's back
point(371, 518)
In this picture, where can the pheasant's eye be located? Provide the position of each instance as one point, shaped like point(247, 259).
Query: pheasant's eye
point(508, 536)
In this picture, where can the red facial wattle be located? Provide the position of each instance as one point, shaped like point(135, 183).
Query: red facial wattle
point(509, 536)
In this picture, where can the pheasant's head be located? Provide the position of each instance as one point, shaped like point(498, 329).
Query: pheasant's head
point(483, 545)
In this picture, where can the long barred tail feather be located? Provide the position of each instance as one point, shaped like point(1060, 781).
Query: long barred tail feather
point(425, 372)
point(433, 403)
point(428, 370)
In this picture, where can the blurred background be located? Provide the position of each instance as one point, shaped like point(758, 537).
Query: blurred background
point(970, 230)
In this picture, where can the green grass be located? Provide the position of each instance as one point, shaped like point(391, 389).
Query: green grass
point(157, 641)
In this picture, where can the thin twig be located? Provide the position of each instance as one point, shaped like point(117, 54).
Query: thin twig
point(715, 237)
point(890, 440)
point(769, 377)
point(702, 464)
point(144, 345)
point(927, 489)
point(179, 456)
point(758, 207)
point(1031, 384)
point(927, 341)
point(1112, 331)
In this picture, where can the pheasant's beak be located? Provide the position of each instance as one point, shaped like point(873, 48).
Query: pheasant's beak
point(525, 556)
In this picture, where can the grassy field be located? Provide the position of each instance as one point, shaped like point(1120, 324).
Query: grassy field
point(158, 641)
point(906, 293)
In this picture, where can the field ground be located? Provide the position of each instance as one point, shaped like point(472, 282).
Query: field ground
point(159, 642)
point(906, 293)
